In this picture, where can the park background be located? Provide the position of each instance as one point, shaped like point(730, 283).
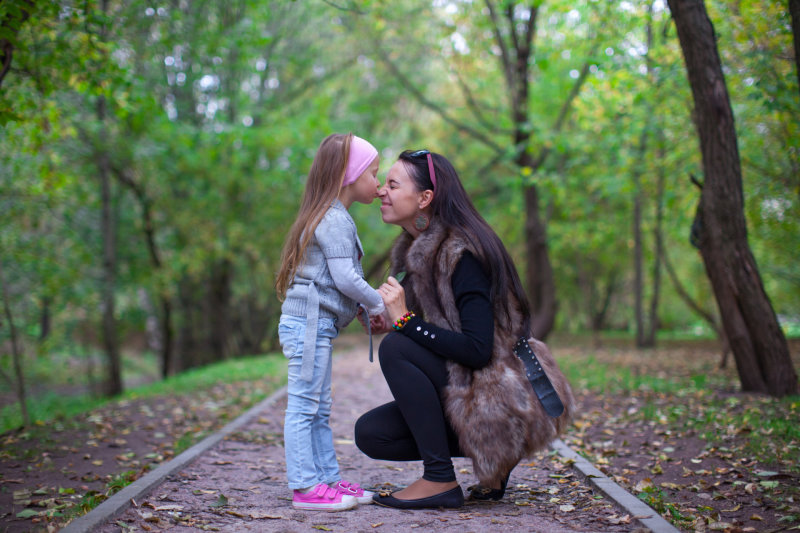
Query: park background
point(153, 154)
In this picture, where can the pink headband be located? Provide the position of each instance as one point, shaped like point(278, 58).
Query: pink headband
point(362, 153)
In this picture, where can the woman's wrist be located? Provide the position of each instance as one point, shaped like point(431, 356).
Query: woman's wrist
point(398, 324)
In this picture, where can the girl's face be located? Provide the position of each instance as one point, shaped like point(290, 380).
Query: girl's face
point(365, 189)
point(400, 199)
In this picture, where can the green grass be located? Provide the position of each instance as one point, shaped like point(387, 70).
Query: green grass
point(656, 499)
point(591, 374)
point(52, 406)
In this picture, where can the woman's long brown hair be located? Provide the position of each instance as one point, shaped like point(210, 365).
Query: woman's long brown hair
point(322, 188)
point(454, 210)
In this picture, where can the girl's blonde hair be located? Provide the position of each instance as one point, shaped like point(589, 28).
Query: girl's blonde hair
point(322, 188)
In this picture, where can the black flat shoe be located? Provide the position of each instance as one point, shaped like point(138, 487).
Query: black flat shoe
point(452, 498)
point(478, 492)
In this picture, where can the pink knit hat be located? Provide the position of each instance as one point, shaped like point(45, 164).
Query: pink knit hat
point(362, 153)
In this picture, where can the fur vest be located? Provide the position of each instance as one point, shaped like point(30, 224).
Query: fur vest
point(493, 410)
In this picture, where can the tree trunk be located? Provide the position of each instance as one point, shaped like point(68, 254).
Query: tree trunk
point(16, 351)
point(515, 52)
point(108, 230)
point(167, 332)
point(10, 26)
point(756, 339)
point(218, 305)
point(538, 271)
point(794, 11)
point(645, 325)
point(166, 327)
point(44, 319)
point(638, 245)
point(650, 336)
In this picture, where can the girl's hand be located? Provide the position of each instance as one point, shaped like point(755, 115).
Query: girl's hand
point(394, 298)
point(362, 318)
point(378, 324)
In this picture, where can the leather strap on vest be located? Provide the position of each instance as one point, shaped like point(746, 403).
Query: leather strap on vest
point(539, 381)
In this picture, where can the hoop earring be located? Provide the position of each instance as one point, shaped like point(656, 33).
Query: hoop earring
point(421, 222)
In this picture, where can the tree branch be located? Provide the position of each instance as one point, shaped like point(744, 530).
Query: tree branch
point(405, 82)
point(11, 26)
point(504, 56)
point(348, 9)
point(564, 111)
point(475, 107)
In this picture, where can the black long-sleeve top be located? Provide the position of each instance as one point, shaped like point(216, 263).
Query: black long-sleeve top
point(473, 346)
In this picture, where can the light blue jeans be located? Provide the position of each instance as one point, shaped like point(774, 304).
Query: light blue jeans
point(307, 435)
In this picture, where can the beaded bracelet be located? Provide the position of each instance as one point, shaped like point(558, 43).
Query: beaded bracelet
point(402, 321)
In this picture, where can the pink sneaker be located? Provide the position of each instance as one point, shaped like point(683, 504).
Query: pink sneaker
point(355, 490)
point(323, 498)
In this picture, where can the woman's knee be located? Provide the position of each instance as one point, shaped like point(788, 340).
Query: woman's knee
point(364, 436)
point(393, 347)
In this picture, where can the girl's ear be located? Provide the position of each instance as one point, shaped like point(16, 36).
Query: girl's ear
point(425, 198)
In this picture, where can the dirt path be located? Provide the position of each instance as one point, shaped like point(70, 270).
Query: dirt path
point(240, 485)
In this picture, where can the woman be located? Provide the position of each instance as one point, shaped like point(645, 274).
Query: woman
point(459, 390)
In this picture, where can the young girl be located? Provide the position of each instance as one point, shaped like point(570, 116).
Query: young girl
point(321, 283)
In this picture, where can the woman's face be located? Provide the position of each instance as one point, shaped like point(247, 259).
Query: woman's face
point(400, 199)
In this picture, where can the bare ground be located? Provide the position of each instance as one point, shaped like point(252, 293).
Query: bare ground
point(46, 474)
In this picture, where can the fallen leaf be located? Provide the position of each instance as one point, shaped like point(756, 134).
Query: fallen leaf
point(171, 507)
point(222, 501)
point(766, 473)
point(566, 508)
point(265, 516)
point(720, 526)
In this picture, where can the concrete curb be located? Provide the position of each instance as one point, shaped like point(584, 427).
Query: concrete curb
point(624, 499)
point(119, 502)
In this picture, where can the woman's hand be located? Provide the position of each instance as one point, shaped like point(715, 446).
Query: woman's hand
point(394, 298)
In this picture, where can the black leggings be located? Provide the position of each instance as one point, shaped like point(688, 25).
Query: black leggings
point(413, 426)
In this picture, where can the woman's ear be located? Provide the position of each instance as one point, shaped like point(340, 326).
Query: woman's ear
point(425, 198)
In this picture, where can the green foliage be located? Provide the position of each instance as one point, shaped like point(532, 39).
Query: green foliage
point(213, 112)
point(57, 406)
point(655, 498)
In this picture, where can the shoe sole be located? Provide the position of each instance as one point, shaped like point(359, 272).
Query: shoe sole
point(329, 507)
